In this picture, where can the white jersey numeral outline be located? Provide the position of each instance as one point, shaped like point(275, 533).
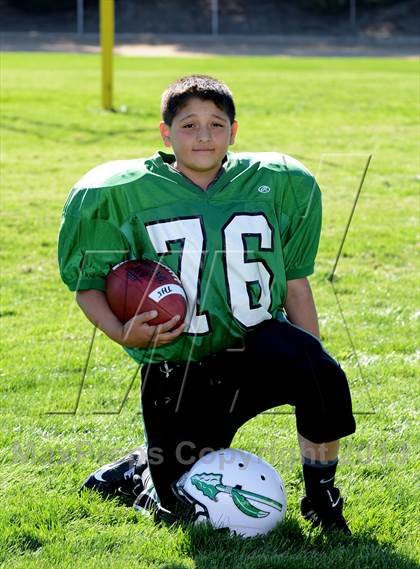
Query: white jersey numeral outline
point(240, 272)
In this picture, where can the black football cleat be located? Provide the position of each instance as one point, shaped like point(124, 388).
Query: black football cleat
point(120, 477)
point(326, 511)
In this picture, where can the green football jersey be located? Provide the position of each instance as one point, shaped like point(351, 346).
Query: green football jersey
point(234, 246)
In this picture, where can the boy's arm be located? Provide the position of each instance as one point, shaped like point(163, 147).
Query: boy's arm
point(300, 305)
point(136, 333)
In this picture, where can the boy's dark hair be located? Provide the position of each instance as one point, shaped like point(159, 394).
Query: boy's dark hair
point(199, 86)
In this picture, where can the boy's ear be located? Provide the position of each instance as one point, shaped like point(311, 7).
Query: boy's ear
point(233, 131)
point(165, 133)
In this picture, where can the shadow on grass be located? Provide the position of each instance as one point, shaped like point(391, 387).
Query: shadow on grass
point(288, 547)
point(77, 133)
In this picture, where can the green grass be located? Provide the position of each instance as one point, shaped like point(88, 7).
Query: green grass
point(329, 113)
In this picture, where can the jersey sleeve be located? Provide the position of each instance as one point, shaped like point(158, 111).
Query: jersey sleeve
point(88, 247)
point(301, 226)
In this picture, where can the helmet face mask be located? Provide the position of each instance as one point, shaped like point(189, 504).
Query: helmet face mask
point(234, 489)
point(200, 512)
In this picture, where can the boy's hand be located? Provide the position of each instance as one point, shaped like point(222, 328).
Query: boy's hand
point(137, 333)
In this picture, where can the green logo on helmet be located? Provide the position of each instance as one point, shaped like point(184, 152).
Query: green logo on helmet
point(211, 484)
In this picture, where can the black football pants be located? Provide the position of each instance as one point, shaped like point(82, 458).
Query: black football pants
point(191, 409)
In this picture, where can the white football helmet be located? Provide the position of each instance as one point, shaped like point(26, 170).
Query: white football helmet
point(234, 489)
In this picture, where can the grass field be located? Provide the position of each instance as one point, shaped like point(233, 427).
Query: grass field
point(329, 113)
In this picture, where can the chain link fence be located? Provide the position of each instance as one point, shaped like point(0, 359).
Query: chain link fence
point(216, 17)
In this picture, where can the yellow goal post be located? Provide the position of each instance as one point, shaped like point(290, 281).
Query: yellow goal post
point(107, 23)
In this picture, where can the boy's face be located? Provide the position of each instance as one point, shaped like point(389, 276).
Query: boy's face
point(199, 135)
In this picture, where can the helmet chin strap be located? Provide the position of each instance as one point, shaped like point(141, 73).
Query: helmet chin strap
point(186, 505)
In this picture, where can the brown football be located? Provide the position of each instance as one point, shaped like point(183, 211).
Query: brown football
point(137, 286)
